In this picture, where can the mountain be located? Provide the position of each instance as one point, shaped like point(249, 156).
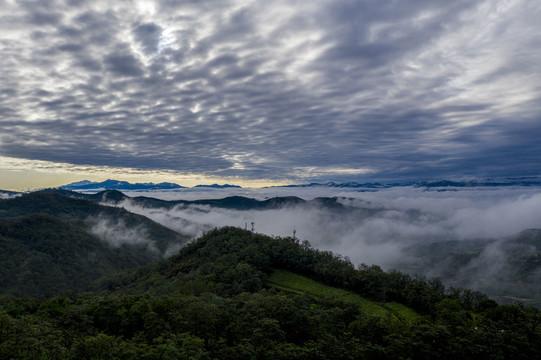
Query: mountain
point(371, 186)
point(480, 183)
point(427, 184)
point(216, 186)
point(90, 214)
point(231, 202)
point(254, 294)
point(124, 185)
point(119, 185)
point(41, 254)
point(350, 184)
point(51, 243)
point(507, 269)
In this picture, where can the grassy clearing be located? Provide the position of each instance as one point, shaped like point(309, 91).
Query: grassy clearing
point(402, 311)
point(514, 300)
point(291, 282)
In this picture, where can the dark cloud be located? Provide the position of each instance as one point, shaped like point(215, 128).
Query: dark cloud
point(278, 90)
point(41, 13)
point(149, 37)
point(123, 64)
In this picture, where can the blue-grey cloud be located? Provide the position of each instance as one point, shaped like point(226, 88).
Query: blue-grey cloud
point(123, 63)
point(148, 35)
point(275, 89)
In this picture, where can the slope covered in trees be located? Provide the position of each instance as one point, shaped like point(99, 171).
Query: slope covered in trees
point(213, 300)
point(41, 254)
point(86, 213)
point(52, 244)
point(231, 261)
point(229, 294)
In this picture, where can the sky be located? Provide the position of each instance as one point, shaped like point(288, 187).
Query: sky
point(268, 92)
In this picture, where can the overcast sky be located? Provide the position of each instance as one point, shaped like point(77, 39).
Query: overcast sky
point(269, 91)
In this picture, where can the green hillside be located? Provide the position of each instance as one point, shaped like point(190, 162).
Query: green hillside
point(87, 213)
point(41, 254)
point(53, 244)
point(291, 282)
point(232, 294)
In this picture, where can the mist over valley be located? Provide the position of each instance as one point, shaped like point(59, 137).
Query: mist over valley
point(480, 238)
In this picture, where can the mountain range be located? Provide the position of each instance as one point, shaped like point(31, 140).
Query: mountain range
point(119, 185)
point(124, 185)
point(428, 184)
point(234, 294)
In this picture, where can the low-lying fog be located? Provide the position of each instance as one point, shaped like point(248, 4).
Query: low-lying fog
point(380, 225)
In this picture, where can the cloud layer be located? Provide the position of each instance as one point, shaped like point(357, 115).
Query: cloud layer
point(274, 89)
point(378, 227)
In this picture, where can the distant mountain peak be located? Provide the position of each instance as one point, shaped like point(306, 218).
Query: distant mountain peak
point(350, 184)
point(216, 186)
point(111, 184)
point(81, 183)
point(437, 183)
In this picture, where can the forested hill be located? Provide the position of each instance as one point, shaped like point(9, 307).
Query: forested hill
point(232, 261)
point(87, 213)
point(41, 254)
point(230, 202)
point(231, 294)
point(53, 244)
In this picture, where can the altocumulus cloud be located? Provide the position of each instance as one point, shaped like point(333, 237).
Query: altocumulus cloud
point(267, 89)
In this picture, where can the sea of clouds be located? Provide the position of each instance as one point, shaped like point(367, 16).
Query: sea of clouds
point(379, 225)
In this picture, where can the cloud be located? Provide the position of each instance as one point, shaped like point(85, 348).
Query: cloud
point(148, 35)
point(273, 90)
point(4, 195)
point(378, 227)
point(115, 233)
point(123, 63)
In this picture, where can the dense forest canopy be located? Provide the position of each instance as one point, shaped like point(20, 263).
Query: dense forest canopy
point(54, 244)
point(213, 300)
